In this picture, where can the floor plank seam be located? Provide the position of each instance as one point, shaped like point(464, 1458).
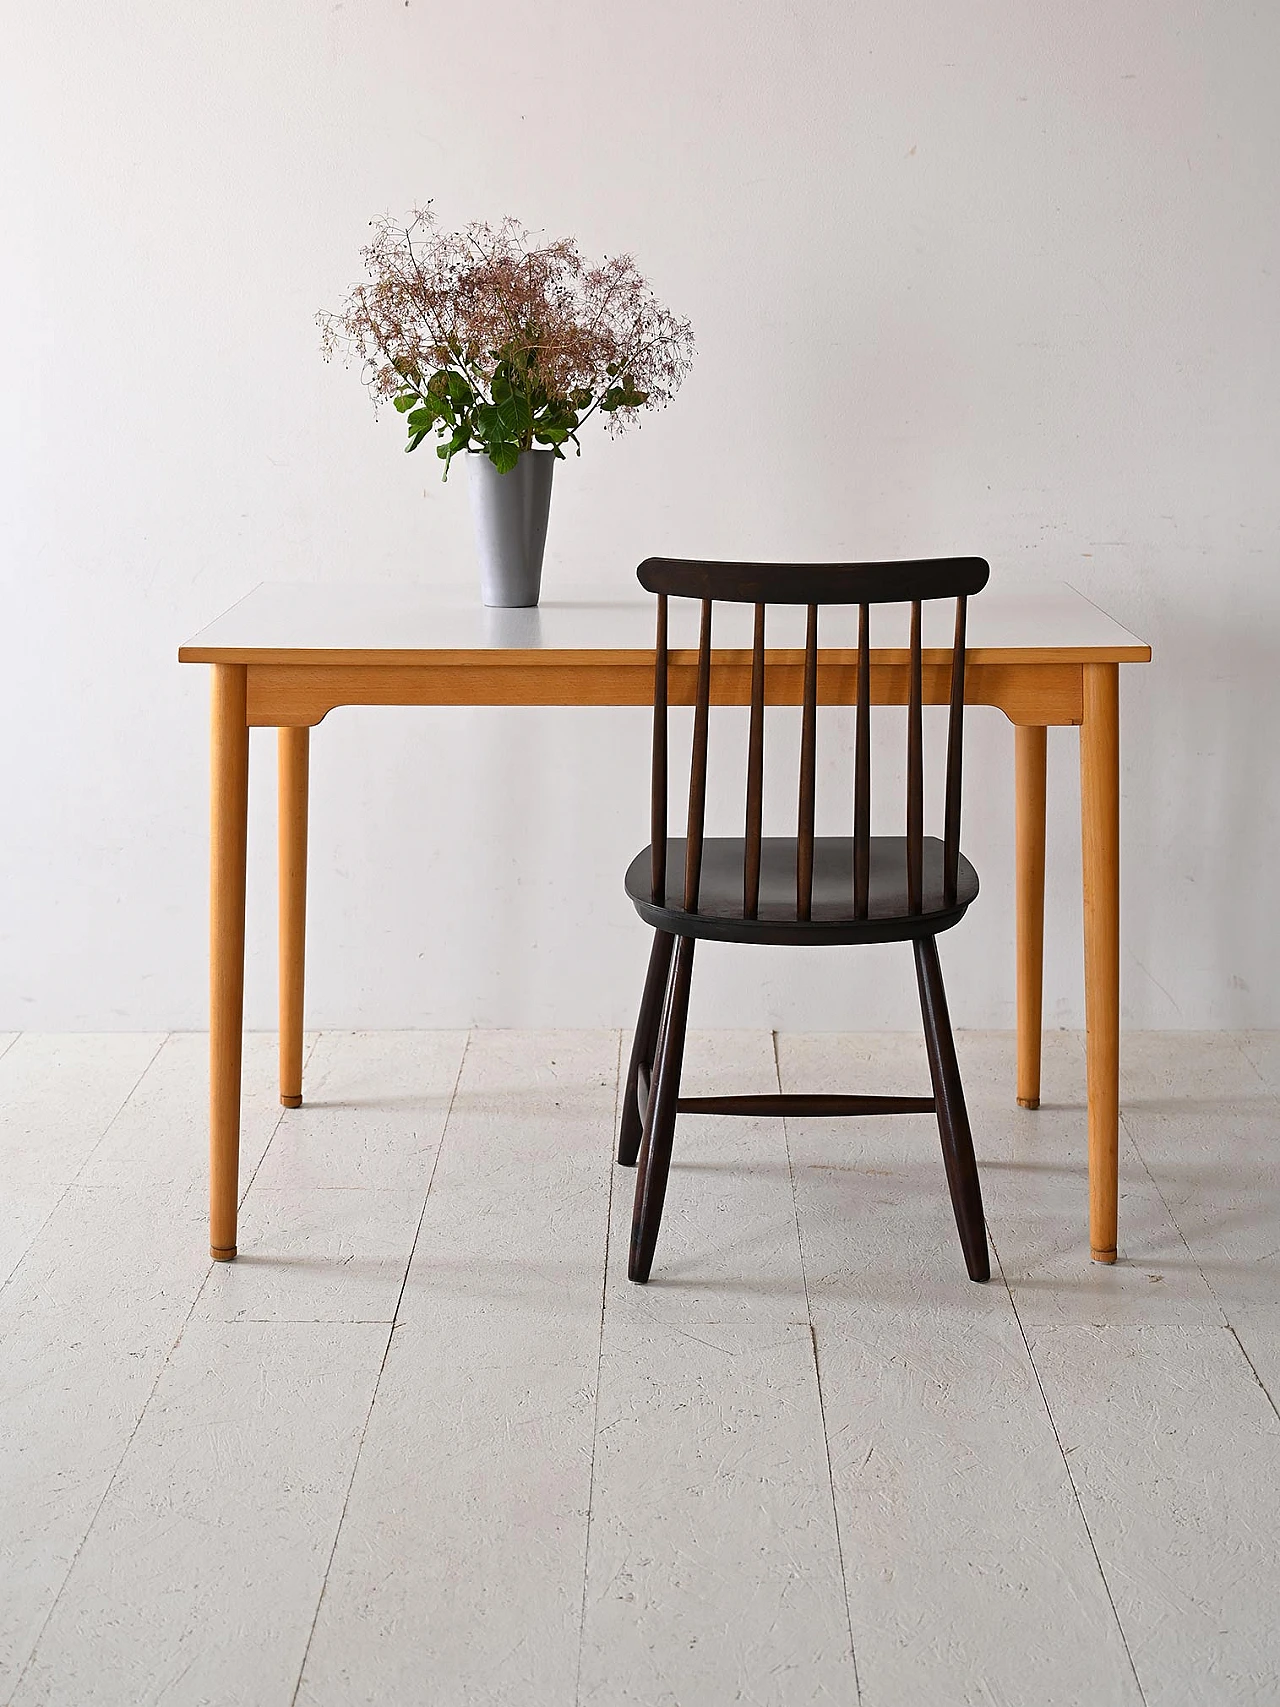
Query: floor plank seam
point(1253, 1366)
point(1075, 1491)
point(275, 1130)
point(9, 1045)
point(1177, 1227)
point(382, 1364)
point(595, 1416)
point(97, 1145)
point(113, 1478)
point(817, 1376)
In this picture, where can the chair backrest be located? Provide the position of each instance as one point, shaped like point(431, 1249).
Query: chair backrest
point(812, 585)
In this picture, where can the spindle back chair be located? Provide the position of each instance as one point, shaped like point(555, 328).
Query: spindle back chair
point(802, 889)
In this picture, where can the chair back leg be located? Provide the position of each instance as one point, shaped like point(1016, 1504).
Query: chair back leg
point(643, 1047)
point(953, 1118)
point(660, 1120)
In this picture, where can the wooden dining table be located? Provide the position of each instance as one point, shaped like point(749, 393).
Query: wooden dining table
point(288, 654)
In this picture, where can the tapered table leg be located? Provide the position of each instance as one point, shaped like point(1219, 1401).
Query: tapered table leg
point(294, 756)
point(1029, 770)
point(228, 831)
point(1100, 825)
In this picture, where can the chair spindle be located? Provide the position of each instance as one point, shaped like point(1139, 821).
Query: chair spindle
point(808, 770)
point(698, 766)
point(755, 776)
point(658, 801)
point(955, 739)
point(862, 770)
point(915, 772)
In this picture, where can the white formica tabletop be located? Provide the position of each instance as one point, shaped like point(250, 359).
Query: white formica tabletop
point(301, 623)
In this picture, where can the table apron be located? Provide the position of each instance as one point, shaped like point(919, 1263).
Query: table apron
point(300, 695)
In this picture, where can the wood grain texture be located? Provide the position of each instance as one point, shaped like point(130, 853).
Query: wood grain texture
point(1038, 690)
point(1100, 835)
point(228, 836)
point(1029, 753)
point(293, 760)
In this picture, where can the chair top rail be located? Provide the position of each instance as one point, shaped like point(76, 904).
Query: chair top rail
point(815, 583)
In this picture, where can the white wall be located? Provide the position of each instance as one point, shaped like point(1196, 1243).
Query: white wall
point(974, 275)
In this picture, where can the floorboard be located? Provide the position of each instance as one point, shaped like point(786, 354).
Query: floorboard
point(424, 1441)
point(93, 1309)
point(201, 1573)
point(58, 1096)
point(1175, 1451)
point(464, 1540)
point(326, 1232)
point(728, 1249)
point(714, 1572)
point(970, 1573)
point(1035, 1175)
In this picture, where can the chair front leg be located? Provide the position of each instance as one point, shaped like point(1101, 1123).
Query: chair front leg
point(660, 1122)
point(953, 1117)
point(644, 1046)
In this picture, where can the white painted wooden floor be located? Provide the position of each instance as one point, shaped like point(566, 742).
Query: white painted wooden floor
point(423, 1443)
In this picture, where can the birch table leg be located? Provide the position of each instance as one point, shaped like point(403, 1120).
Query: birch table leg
point(294, 753)
point(1029, 770)
point(1100, 826)
point(228, 832)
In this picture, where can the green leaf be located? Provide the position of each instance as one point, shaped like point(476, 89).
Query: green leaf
point(504, 457)
point(558, 417)
point(624, 396)
point(459, 390)
point(405, 400)
point(414, 442)
point(514, 417)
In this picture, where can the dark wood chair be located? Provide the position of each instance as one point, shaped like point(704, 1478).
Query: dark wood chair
point(803, 889)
